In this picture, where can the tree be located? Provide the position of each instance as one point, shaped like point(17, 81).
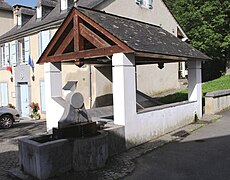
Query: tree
point(207, 24)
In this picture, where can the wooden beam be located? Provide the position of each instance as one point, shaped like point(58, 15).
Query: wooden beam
point(86, 54)
point(92, 37)
point(160, 56)
point(57, 36)
point(126, 48)
point(78, 39)
point(65, 43)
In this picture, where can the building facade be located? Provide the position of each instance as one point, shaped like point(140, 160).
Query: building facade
point(6, 21)
point(33, 30)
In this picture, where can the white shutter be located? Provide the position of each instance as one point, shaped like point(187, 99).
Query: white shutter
point(45, 39)
point(39, 44)
point(4, 94)
point(139, 2)
point(14, 53)
point(27, 49)
point(150, 4)
point(7, 54)
point(64, 5)
point(42, 96)
point(1, 58)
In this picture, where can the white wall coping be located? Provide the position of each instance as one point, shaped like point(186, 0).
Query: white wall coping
point(217, 94)
point(165, 106)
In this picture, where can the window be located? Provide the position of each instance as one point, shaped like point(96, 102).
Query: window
point(7, 54)
point(43, 40)
point(20, 51)
point(64, 4)
point(39, 12)
point(42, 96)
point(145, 3)
point(4, 94)
point(19, 20)
point(2, 56)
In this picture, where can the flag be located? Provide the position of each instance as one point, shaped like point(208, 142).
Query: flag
point(31, 63)
point(8, 68)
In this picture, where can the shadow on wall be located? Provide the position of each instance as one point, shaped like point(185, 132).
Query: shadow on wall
point(104, 100)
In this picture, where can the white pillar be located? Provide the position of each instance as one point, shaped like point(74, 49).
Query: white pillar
point(124, 89)
point(53, 88)
point(195, 85)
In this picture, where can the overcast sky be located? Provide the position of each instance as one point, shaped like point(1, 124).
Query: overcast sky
point(30, 3)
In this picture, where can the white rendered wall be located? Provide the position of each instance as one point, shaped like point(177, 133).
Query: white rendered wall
point(154, 123)
point(195, 85)
point(53, 87)
point(124, 89)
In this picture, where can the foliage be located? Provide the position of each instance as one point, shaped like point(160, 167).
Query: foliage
point(207, 24)
point(35, 108)
point(214, 85)
point(11, 106)
point(217, 84)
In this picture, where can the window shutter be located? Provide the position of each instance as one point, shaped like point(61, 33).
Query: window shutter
point(14, 53)
point(64, 5)
point(4, 94)
point(139, 2)
point(45, 39)
point(39, 44)
point(42, 96)
point(27, 49)
point(150, 4)
point(1, 58)
point(7, 51)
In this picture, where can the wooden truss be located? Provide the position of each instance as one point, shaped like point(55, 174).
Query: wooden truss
point(82, 41)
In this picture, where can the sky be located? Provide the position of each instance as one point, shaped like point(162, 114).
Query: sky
point(30, 3)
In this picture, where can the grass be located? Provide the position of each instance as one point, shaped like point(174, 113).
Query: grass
point(210, 86)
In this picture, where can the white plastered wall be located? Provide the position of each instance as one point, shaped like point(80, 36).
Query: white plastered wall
point(6, 21)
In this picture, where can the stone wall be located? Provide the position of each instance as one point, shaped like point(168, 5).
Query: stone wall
point(217, 101)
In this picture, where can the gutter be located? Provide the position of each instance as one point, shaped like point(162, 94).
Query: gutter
point(25, 33)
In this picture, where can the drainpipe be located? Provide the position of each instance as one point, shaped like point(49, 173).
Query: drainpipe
point(90, 86)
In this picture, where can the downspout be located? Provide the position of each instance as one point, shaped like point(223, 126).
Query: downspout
point(90, 85)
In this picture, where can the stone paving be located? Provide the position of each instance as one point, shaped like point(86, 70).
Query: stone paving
point(118, 166)
point(9, 145)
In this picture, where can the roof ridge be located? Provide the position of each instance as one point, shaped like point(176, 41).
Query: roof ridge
point(123, 17)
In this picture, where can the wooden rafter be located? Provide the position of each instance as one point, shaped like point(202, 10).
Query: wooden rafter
point(57, 36)
point(78, 39)
point(65, 43)
point(86, 54)
point(92, 37)
point(105, 32)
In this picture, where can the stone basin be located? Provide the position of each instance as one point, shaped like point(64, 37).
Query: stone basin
point(43, 157)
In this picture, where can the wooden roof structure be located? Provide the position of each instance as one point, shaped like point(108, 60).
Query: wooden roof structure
point(91, 37)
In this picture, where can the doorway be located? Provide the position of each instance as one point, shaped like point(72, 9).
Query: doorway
point(24, 99)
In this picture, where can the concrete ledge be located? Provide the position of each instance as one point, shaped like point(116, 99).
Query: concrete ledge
point(217, 101)
point(217, 94)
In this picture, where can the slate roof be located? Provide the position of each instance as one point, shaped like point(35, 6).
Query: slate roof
point(5, 6)
point(143, 37)
point(49, 3)
point(53, 19)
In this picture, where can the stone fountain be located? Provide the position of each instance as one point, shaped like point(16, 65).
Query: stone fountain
point(75, 145)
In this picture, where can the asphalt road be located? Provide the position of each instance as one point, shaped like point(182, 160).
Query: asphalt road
point(203, 155)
